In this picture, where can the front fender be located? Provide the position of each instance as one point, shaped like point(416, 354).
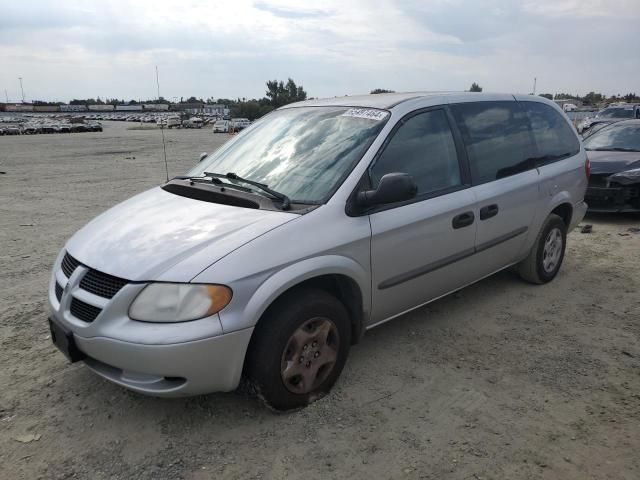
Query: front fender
point(252, 296)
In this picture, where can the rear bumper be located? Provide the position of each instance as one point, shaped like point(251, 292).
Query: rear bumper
point(579, 211)
point(172, 370)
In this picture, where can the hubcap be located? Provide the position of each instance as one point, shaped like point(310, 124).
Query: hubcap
point(552, 250)
point(310, 355)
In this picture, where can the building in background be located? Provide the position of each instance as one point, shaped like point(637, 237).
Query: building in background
point(156, 107)
point(18, 107)
point(101, 108)
point(73, 108)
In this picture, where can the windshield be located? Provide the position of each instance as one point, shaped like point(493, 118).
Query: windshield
point(619, 112)
point(620, 136)
point(303, 152)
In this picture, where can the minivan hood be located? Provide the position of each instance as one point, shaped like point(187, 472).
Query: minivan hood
point(160, 236)
point(607, 162)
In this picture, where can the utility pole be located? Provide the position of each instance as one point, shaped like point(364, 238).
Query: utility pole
point(6, 95)
point(534, 85)
point(21, 89)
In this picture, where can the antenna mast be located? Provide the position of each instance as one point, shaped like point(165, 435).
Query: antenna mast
point(21, 89)
point(164, 146)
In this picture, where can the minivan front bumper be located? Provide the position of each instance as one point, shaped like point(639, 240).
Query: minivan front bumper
point(174, 370)
point(160, 359)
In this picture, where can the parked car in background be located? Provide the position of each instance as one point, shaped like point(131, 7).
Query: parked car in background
point(221, 126)
point(174, 122)
point(193, 122)
point(239, 124)
point(614, 152)
point(275, 254)
point(569, 107)
point(611, 114)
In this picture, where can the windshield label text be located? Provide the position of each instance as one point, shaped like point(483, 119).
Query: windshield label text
point(367, 113)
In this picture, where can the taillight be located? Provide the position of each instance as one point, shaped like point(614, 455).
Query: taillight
point(587, 168)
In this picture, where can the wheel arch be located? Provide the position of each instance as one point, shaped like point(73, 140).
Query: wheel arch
point(340, 276)
point(565, 211)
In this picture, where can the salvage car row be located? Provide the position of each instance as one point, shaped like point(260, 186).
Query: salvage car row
point(607, 116)
point(41, 128)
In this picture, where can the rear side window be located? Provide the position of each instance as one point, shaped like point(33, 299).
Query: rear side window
point(554, 137)
point(423, 147)
point(497, 138)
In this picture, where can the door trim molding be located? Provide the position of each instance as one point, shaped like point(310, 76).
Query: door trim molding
point(443, 262)
point(500, 239)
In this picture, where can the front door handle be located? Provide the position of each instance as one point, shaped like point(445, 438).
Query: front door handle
point(462, 220)
point(488, 211)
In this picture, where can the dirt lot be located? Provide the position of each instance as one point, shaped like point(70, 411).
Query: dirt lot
point(501, 380)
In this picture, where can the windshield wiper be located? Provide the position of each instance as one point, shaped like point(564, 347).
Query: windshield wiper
point(623, 149)
point(286, 202)
point(613, 149)
point(214, 180)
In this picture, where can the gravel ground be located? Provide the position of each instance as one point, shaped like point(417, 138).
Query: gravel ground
point(501, 380)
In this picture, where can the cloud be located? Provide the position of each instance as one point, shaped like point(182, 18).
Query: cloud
point(286, 12)
point(229, 49)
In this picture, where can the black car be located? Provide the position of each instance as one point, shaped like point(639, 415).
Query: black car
point(614, 152)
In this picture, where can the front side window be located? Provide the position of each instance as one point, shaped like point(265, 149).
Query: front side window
point(303, 152)
point(423, 147)
point(497, 138)
point(554, 137)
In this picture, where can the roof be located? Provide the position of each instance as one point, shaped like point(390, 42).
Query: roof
point(379, 100)
point(390, 100)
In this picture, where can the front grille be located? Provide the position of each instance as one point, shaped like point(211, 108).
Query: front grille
point(69, 264)
point(101, 284)
point(58, 291)
point(83, 311)
point(598, 180)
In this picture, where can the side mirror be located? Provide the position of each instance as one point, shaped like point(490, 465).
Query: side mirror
point(203, 155)
point(393, 187)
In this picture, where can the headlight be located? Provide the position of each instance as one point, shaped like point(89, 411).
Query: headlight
point(629, 176)
point(178, 302)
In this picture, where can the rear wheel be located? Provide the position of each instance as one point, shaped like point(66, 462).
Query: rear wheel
point(299, 348)
point(544, 260)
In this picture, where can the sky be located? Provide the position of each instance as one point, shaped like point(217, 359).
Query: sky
point(85, 49)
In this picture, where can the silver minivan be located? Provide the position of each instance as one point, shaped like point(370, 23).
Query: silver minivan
point(325, 218)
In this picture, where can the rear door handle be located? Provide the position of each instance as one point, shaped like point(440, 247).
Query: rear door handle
point(463, 220)
point(488, 211)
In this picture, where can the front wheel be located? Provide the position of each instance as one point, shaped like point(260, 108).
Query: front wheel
point(299, 348)
point(544, 260)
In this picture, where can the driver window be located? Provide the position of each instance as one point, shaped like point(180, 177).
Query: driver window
point(424, 148)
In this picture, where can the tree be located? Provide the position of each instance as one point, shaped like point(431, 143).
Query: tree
point(475, 87)
point(380, 90)
point(593, 98)
point(280, 94)
point(547, 95)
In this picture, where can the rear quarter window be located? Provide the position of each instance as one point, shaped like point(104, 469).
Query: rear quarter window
point(554, 137)
point(497, 138)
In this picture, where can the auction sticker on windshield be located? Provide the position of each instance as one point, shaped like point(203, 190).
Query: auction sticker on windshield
point(368, 113)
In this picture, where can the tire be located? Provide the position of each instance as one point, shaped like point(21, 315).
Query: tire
point(288, 363)
point(546, 255)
